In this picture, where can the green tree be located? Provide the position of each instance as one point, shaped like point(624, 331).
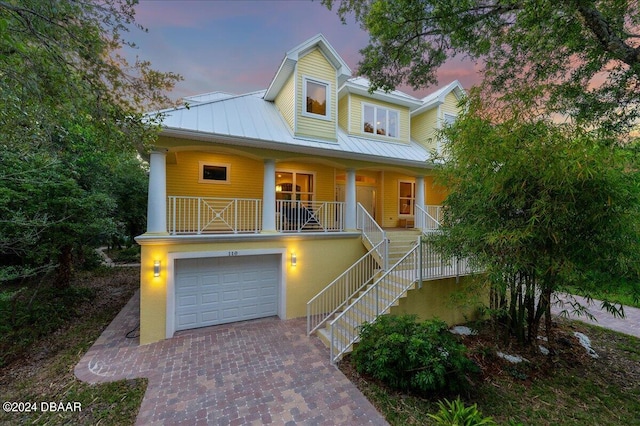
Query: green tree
point(541, 207)
point(578, 57)
point(72, 124)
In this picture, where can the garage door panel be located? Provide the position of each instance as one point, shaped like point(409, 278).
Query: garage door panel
point(218, 290)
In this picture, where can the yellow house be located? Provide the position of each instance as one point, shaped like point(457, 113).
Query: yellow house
point(262, 202)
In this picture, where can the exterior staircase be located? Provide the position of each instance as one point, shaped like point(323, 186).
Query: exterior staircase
point(397, 261)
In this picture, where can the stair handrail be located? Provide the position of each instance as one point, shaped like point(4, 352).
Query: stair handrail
point(373, 234)
point(338, 293)
point(406, 267)
point(425, 221)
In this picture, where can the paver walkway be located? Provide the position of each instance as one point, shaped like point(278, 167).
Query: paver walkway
point(253, 372)
point(630, 324)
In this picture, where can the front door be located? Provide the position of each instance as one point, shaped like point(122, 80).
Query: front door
point(365, 195)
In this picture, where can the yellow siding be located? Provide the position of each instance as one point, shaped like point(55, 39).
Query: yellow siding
point(315, 65)
point(319, 261)
point(435, 194)
point(343, 113)
point(435, 300)
point(245, 182)
point(390, 213)
point(284, 101)
point(423, 128)
point(356, 118)
point(450, 105)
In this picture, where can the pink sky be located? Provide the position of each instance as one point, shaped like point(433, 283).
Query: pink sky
point(237, 46)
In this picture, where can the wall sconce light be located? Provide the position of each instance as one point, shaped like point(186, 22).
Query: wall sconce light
point(294, 259)
point(156, 268)
point(278, 188)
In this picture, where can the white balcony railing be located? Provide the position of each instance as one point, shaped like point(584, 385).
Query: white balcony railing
point(198, 215)
point(425, 221)
point(309, 216)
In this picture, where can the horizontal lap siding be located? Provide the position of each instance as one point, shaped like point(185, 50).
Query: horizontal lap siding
point(343, 113)
point(423, 128)
point(450, 105)
point(284, 102)
point(315, 65)
point(246, 176)
point(356, 118)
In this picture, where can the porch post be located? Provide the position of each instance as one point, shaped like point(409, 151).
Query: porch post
point(269, 196)
point(157, 195)
point(350, 201)
point(419, 201)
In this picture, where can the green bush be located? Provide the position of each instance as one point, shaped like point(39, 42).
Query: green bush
point(454, 413)
point(408, 355)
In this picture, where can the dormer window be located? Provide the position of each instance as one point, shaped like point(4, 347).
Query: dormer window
point(317, 95)
point(380, 121)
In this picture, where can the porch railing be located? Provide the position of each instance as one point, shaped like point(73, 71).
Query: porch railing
point(319, 216)
point(435, 211)
point(198, 215)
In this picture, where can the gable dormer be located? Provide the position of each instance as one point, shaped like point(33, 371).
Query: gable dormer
point(438, 108)
point(378, 115)
point(305, 89)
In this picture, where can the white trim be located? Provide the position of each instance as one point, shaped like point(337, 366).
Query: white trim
point(202, 164)
point(170, 327)
point(375, 114)
point(412, 198)
point(295, 172)
point(304, 112)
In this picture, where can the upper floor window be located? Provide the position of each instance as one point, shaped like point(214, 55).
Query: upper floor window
point(380, 121)
point(449, 119)
point(317, 98)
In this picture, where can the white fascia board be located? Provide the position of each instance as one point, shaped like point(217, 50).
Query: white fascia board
point(283, 146)
point(431, 101)
point(286, 68)
point(349, 87)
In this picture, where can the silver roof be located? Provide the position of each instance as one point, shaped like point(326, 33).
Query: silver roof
point(249, 120)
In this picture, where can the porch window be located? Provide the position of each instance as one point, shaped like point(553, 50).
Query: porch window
point(292, 185)
point(406, 198)
point(214, 172)
point(380, 121)
point(317, 98)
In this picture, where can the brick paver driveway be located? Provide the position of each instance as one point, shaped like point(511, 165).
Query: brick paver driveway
point(254, 372)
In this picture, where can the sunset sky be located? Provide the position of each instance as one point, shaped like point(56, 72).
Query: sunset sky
point(237, 46)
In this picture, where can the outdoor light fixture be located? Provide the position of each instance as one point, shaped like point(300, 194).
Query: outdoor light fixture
point(156, 268)
point(294, 259)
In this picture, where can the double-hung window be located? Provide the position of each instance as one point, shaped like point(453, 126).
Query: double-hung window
point(317, 96)
point(380, 121)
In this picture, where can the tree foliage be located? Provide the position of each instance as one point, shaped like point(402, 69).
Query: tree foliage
point(578, 57)
point(542, 207)
point(72, 126)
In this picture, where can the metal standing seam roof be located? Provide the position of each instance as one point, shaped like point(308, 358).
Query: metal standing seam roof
point(249, 120)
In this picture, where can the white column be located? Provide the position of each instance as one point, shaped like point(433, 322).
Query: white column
point(269, 197)
point(350, 201)
point(157, 196)
point(419, 199)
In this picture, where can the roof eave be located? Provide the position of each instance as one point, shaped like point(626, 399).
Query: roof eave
point(283, 146)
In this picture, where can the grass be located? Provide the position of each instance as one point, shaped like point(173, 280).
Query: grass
point(43, 371)
point(569, 388)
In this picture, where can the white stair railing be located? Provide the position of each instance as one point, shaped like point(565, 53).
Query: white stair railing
point(419, 264)
point(373, 302)
point(373, 235)
point(338, 293)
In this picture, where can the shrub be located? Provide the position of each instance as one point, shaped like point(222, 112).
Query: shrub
point(454, 413)
point(408, 355)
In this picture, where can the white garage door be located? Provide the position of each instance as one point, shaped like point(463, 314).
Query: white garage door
point(218, 290)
